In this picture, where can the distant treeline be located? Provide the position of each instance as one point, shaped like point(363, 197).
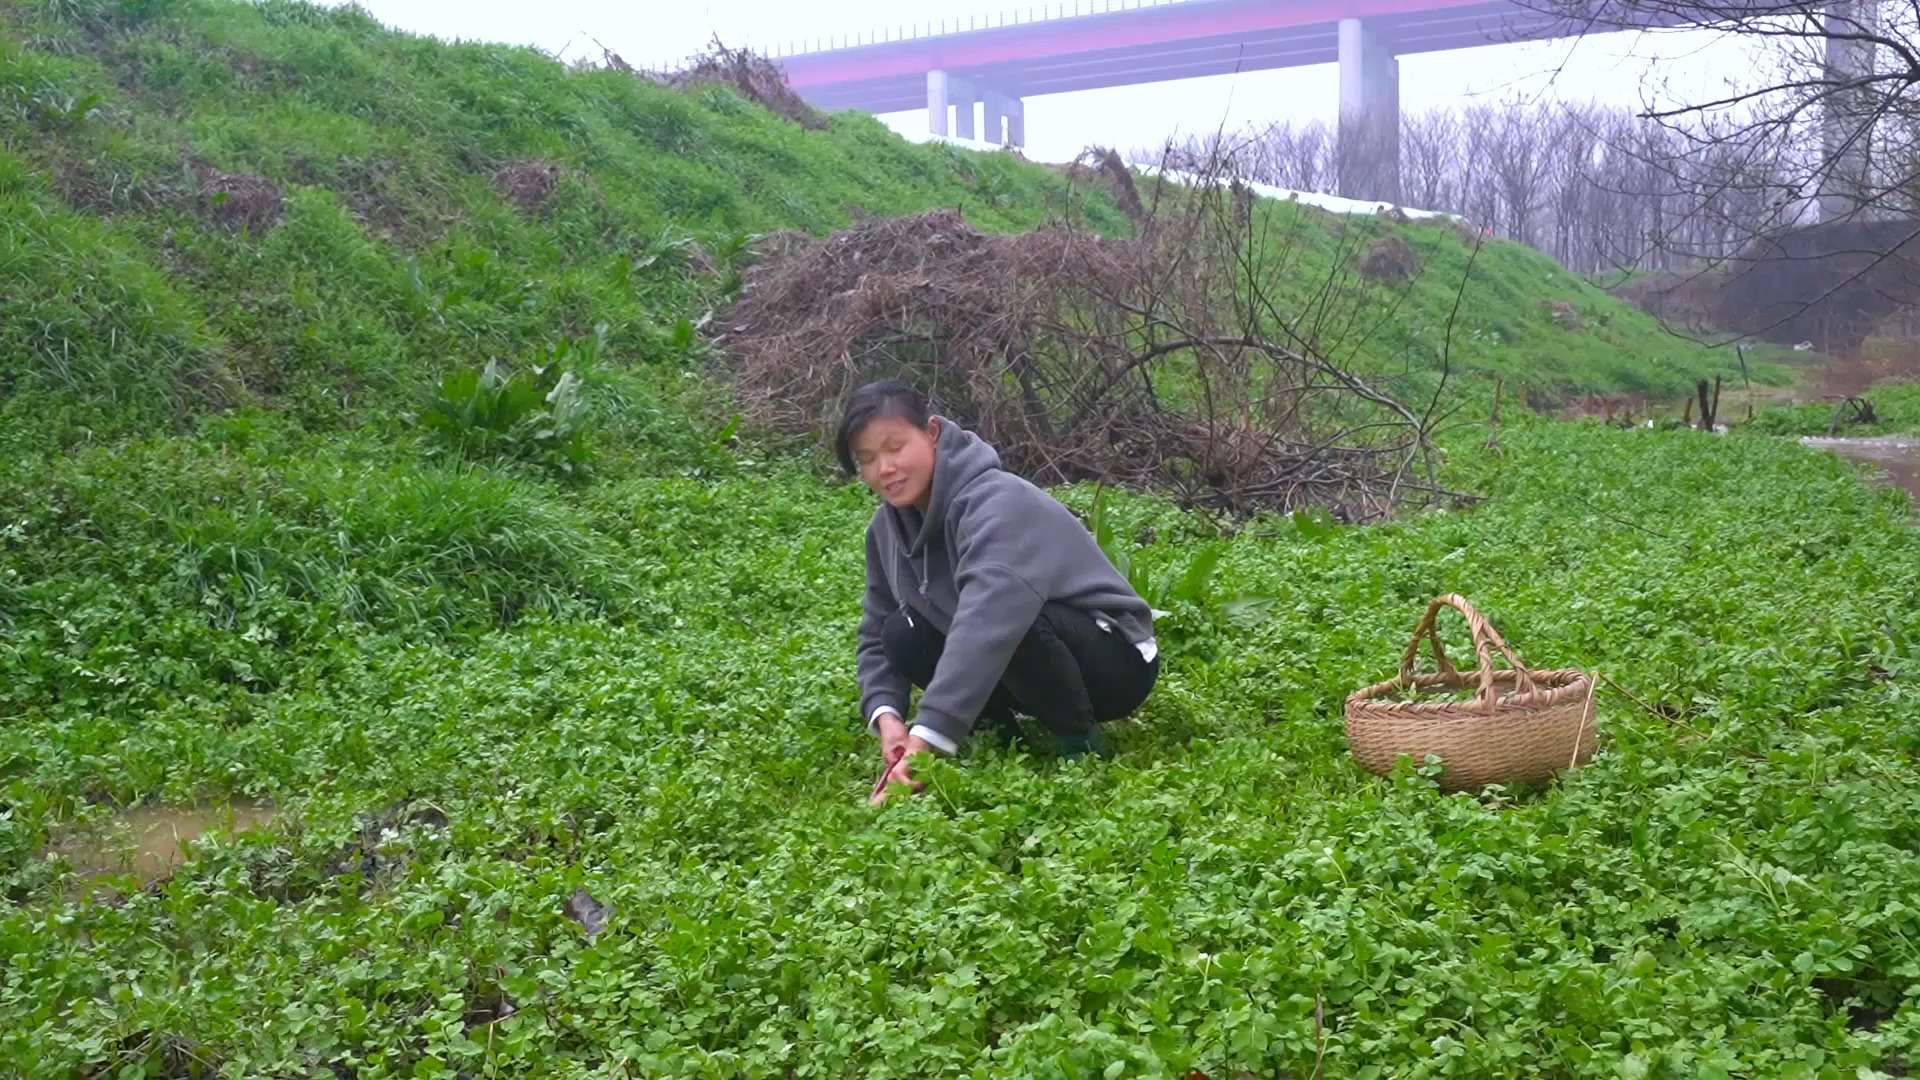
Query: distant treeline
point(1596, 188)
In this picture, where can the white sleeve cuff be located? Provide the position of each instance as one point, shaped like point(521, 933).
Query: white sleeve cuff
point(934, 739)
point(873, 722)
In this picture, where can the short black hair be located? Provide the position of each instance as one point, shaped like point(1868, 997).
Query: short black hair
point(876, 401)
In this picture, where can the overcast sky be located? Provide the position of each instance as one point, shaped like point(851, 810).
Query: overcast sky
point(1619, 69)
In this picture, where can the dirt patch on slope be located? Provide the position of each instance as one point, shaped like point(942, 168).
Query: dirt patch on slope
point(528, 184)
point(1564, 314)
point(1390, 259)
point(237, 201)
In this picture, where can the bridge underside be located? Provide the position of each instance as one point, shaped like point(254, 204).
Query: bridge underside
point(993, 70)
point(1493, 23)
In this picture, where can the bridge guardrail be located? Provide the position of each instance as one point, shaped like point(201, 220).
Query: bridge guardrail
point(960, 24)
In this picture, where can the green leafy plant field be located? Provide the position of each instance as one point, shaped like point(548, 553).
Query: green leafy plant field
point(501, 691)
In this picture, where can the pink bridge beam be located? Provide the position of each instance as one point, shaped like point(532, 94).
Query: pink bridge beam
point(1139, 27)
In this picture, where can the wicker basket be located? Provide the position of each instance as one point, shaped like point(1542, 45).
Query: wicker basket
point(1521, 727)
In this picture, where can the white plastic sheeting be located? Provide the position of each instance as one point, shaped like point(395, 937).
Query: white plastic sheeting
point(1333, 204)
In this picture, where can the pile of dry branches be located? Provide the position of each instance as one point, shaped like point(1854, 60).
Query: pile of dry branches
point(1161, 362)
point(754, 76)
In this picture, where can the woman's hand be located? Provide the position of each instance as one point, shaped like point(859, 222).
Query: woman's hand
point(893, 739)
point(897, 772)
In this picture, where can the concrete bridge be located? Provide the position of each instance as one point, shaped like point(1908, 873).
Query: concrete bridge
point(974, 73)
point(994, 63)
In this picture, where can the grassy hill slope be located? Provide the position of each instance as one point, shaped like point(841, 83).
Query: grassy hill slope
point(400, 251)
point(1477, 306)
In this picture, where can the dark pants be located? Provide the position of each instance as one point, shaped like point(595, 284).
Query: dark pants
point(1066, 673)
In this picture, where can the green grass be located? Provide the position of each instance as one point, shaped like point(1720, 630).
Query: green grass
point(1475, 310)
point(1896, 410)
point(235, 564)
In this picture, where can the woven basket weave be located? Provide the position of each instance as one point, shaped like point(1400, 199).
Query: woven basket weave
point(1521, 727)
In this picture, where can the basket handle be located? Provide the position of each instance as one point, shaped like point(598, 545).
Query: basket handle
point(1485, 639)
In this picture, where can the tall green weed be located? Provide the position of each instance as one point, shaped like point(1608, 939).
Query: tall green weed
point(1185, 599)
point(537, 414)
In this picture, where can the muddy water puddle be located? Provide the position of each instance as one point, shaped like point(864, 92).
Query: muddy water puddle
point(148, 842)
point(1897, 457)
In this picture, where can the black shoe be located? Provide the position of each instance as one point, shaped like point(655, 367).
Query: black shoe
point(1094, 742)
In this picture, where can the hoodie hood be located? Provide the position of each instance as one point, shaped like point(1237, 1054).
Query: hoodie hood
point(960, 458)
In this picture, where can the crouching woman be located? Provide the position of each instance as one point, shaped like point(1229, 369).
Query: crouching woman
point(983, 591)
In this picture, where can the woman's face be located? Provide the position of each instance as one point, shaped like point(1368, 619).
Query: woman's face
point(895, 459)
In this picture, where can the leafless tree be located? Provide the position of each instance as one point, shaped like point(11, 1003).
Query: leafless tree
point(1597, 188)
point(1719, 204)
point(1805, 168)
point(1519, 150)
point(1432, 171)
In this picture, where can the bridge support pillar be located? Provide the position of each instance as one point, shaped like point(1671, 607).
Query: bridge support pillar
point(1005, 114)
point(1006, 119)
point(1846, 182)
point(938, 90)
point(1368, 150)
point(964, 98)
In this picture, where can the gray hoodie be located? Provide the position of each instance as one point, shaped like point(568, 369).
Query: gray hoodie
point(990, 550)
